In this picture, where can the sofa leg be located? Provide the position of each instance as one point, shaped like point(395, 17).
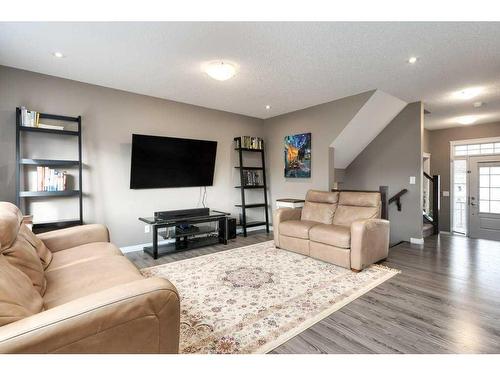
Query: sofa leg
point(355, 270)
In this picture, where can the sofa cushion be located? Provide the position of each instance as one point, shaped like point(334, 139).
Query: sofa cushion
point(331, 254)
point(346, 215)
point(23, 255)
point(335, 235)
point(82, 253)
point(10, 219)
point(296, 228)
point(18, 297)
point(81, 279)
point(43, 252)
point(319, 212)
point(359, 198)
point(318, 196)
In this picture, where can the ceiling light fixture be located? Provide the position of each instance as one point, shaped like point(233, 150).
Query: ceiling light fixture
point(478, 104)
point(469, 93)
point(467, 120)
point(220, 70)
point(412, 60)
point(268, 106)
point(59, 55)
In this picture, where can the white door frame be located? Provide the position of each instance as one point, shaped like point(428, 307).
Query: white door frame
point(466, 157)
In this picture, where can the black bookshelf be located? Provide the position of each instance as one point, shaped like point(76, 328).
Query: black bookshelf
point(21, 162)
point(244, 206)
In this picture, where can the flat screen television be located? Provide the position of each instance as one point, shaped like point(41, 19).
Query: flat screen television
point(165, 162)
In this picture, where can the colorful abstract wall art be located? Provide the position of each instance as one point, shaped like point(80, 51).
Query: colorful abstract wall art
point(298, 155)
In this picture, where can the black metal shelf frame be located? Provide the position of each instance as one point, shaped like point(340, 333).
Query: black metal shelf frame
point(20, 162)
point(244, 206)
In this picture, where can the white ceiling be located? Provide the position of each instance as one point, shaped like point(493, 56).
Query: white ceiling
point(287, 65)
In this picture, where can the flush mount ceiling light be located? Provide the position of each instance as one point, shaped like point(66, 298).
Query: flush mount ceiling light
point(469, 93)
point(467, 120)
point(412, 60)
point(220, 70)
point(268, 106)
point(57, 54)
point(478, 104)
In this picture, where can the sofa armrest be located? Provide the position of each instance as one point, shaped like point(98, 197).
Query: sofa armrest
point(139, 317)
point(369, 242)
point(61, 239)
point(280, 215)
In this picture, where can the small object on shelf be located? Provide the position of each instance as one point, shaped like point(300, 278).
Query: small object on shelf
point(249, 143)
point(53, 127)
point(289, 202)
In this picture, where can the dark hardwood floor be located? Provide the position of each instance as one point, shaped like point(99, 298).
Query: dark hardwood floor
point(446, 300)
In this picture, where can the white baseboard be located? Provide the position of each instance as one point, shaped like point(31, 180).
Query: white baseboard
point(444, 232)
point(140, 247)
point(417, 241)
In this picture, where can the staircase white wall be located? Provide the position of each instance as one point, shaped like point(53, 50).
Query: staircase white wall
point(378, 111)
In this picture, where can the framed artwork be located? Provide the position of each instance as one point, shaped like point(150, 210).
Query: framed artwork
point(298, 156)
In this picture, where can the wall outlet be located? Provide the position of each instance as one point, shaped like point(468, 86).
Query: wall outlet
point(412, 180)
point(147, 228)
point(446, 193)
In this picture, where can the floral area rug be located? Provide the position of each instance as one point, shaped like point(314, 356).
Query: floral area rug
point(254, 298)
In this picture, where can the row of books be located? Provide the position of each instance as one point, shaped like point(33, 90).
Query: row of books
point(254, 143)
point(32, 119)
point(252, 178)
point(49, 179)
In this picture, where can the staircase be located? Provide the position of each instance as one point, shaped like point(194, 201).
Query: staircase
point(431, 219)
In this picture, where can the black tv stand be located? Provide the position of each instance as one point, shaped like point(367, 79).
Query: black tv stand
point(186, 229)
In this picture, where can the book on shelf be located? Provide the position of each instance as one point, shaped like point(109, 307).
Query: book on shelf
point(253, 143)
point(29, 118)
point(252, 178)
point(49, 179)
point(32, 119)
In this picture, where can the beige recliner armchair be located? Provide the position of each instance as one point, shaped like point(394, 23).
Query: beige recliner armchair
point(71, 291)
point(343, 228)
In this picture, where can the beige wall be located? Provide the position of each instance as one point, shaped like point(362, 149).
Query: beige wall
point(440, 157)
point(109, 118)
point(389, 160)
point(325, 122)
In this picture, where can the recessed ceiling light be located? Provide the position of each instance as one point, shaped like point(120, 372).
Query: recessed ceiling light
point(220, 70)
point(59, 55)
point(467, 120)
point(478, 104)
point(412, 60)
point(268, 106)
point(469, 93)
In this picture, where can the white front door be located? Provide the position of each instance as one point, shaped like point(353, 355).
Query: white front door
point(484, 198)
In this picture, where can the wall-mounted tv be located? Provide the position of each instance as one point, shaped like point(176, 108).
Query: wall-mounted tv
point(165, 162)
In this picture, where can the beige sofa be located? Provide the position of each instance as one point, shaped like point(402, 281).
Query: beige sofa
point(343, 228)
point(71, 291)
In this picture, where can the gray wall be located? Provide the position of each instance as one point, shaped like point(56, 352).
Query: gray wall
point(325, 122)
point(109, 118)
point(390, 159)
point(426, 141)
point(439, 141)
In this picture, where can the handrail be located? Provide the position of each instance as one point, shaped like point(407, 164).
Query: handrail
point(397, 198)
point(429, 177)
